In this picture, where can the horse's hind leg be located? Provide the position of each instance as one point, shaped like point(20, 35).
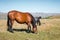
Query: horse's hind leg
point(10, 23)
point(38, 22)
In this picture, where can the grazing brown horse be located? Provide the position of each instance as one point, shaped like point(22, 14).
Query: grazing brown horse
point(21, 17)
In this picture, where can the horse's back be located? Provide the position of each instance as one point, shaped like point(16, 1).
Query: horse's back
point(20, 16)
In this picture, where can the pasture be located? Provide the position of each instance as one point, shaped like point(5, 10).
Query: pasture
point(48, 30)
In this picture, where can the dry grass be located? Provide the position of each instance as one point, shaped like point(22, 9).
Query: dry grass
point(45, 24)
point(48, 30)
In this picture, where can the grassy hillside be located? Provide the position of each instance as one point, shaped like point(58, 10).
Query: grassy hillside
point(48, 30)
point(37, 14)
point(53, 17)
point(3, 15)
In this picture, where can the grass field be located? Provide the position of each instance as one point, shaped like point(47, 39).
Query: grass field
point(48, 30)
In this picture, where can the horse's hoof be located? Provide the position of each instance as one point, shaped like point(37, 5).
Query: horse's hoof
point(11, 31)
point(28, 31)
point(7, 29)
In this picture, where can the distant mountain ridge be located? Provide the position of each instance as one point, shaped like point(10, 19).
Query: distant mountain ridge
point(44, 15)
point(37, 14)
point(3, 15)
point(53, 17)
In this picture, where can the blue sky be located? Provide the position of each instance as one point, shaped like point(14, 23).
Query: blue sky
point(46, 6)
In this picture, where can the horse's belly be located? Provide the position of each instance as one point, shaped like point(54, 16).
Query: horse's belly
point(20, 19)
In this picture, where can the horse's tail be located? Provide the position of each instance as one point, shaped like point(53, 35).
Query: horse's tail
point(9, 25)
point(7, 20)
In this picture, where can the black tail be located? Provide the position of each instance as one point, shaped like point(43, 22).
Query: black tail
point(7, 20)
point(9, 25)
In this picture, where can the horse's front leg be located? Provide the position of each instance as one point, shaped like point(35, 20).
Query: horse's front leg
point(29, 28)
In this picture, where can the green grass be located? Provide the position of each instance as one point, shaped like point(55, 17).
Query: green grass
point(50, 34)
point(53, 34)
point(53, 17)
point(18, 36)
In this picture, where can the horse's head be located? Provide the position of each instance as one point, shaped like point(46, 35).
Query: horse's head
point(39, 17)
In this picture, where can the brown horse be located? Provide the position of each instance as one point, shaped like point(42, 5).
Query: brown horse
point(21, 17)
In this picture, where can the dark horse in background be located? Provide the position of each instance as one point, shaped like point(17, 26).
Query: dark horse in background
point(21, 17)
point(38, 20)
